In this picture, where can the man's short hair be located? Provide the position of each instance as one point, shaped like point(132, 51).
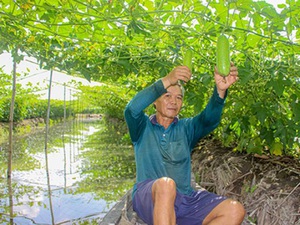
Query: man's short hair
point(179, 83)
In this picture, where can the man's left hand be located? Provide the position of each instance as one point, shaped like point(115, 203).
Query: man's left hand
point(224, 82)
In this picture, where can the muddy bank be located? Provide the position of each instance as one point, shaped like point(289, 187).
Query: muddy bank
point(268, 187)
point(24, 128)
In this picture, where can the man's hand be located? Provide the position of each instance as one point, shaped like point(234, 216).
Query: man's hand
point(224, 82)
point(182, 73)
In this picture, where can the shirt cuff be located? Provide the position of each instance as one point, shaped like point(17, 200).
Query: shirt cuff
point(159, 87)
point(218, 98)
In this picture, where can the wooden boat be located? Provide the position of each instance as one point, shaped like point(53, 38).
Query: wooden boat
point(122, 213)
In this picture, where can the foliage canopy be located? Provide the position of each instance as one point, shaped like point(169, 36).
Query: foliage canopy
point(132, 43)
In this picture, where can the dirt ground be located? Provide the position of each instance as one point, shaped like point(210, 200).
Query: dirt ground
point(267, 186)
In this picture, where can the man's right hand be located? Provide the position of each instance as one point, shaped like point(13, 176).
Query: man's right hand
point(180, 73)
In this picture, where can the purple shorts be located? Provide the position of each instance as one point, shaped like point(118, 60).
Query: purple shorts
point(188, 209)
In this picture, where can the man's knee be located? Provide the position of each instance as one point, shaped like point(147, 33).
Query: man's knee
point(228, 211)
point(236, 210)
point(164, 187)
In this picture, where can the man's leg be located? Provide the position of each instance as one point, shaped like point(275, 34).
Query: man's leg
point(228, 212)
point(163, 195)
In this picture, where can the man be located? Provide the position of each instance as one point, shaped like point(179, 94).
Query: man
point(163, 144)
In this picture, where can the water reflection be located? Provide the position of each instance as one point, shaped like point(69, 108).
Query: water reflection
point(90, 167)
point(10, 199)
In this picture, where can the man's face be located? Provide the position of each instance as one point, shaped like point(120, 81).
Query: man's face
point(169, 104)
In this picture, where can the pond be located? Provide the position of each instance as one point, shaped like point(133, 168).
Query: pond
point(90, 166)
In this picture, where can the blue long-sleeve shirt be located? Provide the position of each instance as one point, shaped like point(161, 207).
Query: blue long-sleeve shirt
point(161, 152)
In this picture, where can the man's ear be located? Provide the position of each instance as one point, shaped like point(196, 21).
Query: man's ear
point(154, 105)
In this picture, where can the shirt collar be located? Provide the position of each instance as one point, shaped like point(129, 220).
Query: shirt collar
point(153, 119)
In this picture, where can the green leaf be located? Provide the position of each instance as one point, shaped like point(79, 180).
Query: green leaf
point(269, 12)
point(252, 148)
point(296, 111)
point(278, 87)
point(276, 148)
point(86, 75)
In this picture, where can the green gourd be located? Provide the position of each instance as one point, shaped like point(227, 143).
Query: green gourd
point(187, 59)
point(223, 55)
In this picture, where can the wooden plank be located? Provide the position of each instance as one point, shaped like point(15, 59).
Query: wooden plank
point(113, 216)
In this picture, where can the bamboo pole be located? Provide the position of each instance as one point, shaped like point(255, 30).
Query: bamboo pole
point(10, 149)
point(72, 131)
point(64, 145)
point(46, 147)
point(11, 118)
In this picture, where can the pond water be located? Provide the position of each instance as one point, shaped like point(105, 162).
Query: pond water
point(90, 166)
